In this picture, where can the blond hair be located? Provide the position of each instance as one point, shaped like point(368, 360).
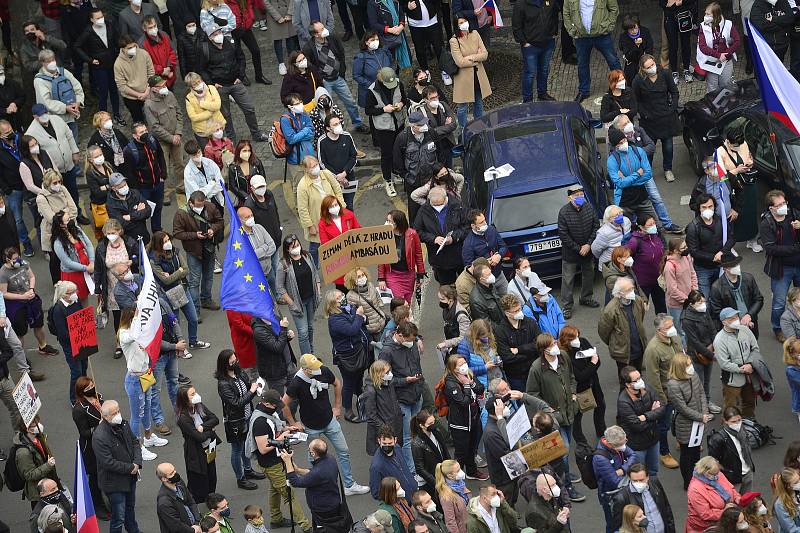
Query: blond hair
point(784, 491)
point(477, 329)
point(791, 349)
point(350, 277)
point(677, 368)
point(331, 305)
point(377, 371)
point(705, 465)
point(629, 513)
point(444, 469)
point(100, 117)
point(49, 175)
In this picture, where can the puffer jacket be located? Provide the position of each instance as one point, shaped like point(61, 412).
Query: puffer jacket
point(700, 331)
point(205, 114)
point(641, 434)
point(722, 448)
point(647, 251)
point(405, 362)
point(606, 463)
point(555, 387)
point(679, 278)
point(380, 408)
point(688, 399)
point(576, 227)
point(608, 237)
point(462, 401)
point(368, 298)
point(49, 203)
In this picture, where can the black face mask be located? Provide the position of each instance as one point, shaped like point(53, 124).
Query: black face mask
point(52, 499)
point(234, 366)
point(444, 305)
point(31, 36)
point(684, 253)
point(90, 393)
point(387, 449)
point(423, 83)
point(175, 479)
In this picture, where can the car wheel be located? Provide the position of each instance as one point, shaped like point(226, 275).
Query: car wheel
point(696, 152)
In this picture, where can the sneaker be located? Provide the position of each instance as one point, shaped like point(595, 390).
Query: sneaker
point(183, 380)
point(147, 455)
point(575, 478)
point(420, 481)
point(545, 97)
point(480, 462)
point(120, 121)
point(155, 440)
point(669, 176)
point(675, 77)
point(479, 475)
point(48, 350)
point(257, 24)
point(355, 489)
point(186, 355)
point(264, 26)
point(567, 313)
point(259, 137)
point(446, 78)
point(574, 495)
point(27, 250)
point(199, 345)
point(687, 77)
point(590, 303)
point(390, 192)
point(714, 408)
point(162, 428)
point(668, 461)
point(282, 69)
point(673, 228)
point(753, 245)
point(117, 353)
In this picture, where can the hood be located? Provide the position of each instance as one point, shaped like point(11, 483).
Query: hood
point(472, 508)
point(321, 91)
point(16, 440)
point(610, 268)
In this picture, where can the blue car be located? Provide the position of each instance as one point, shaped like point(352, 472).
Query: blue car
point(551, 146)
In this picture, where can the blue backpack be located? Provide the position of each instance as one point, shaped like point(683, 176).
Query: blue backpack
point(61, 88)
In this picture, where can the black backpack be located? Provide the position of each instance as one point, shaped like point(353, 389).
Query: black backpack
point(698, 189)
point(13, 479)
point(51, 322)
point(758, 435)
point(583, 458)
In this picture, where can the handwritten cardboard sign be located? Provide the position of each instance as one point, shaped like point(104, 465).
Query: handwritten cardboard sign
point(534, 454)
point(361, 247)
point(82, 332)
point(27, 399)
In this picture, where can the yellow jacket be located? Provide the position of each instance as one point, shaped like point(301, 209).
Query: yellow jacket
point(309, 200)
point(204, 113)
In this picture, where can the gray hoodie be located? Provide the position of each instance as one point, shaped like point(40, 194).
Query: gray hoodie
point(733, 350)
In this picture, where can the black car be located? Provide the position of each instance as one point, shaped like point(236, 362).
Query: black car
point(774, 147)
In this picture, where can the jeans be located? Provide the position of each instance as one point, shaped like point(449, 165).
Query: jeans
point(14, 199)
point(477, 108)
point(155, 195)
point(165, 369)
point(123, 510)
point(666, 152)
point(675, 313)
point(140, 403)
point(780, 286)
point(292, 44)
point(351, 384)
point(339, 86)
point(201, 279)
point(705, 278)
point(135, 108)
point(305, 326)
point(649, 458)
point(658, 203)
point(663, 430)
point(77, 368)
point(568, 272)
point(313, 249)
point(583, 47)
point(70, 178)
point(333, 431)
point(190, 312)
point(566, 435)
point(240, 462)
point(409, 412)
point(106, 88)
point(242, 98)
point(536, 61)
point(605, 503)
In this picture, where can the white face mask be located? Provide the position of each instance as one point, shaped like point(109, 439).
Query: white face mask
point(168, 246)
point(690, 370)
point(701, 307)
point(423, 128)
point(743, 526)
point(52, 66)
point(628, 129)
point(464, 26)
point(108, 124)
point(554, 351)
point(401, 493)
point(152, 32)
point(373, 45)
point(735, 271)
point(430, 508)
point(191, 30)
point(163, 91)
point(200, 88)
point(735, 324)
point(2, 211)
point(433, 104)
point(112, 237)
point(302, 64)
point(338, 129)
point(506, 411)
point(123, 191)
point(334, 210)
point(638, 384)
point(219, 134)
point(35, 149)
point(295, 252)
point(708, 19)
point(408, 344)
point(314, 171)
point(116, 419)
point(555, 490)
point(196, 399)
point(490, 279)
point(651, 71)
point(197, 210)
point(260, 191)
point(575, 343)
point(250, 222)
point(388, 376)
point(218, 38)
point(736, 426)
point(639, 486)
point(631, 296)
point(621, 85)
point(99, 160)
point(128, 276)
point(56, 187)
point(623, 146)
point(762, 510)
point(495, 501)
point(324, 33)
point(628, 262)
point(438, 208)
point(317, 372)
point(44, 119)
point(463, 369)
point(544, 298)
point(707, 214)
point(782, 211)
point(519, 315)
point(361, 281)
point(460, 475)
point(73, 297)
point(100, 22)
point(671, 332)
point(131, 52)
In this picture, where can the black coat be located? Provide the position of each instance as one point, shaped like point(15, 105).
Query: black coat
point(272, 351)
point(722, 448)
point(576, 227)
point(10, 179)
point(220, 65)
point(658, 105)
point(239, 183)
point(90, 46)
point(431, 5)
point(773, 22)
point(187, 51)
point(427, 456)
point(516, 365)
point(380, 408)
point(463, 410)
point(722, 297)
point(610, 105)
point(772, 239)
point(95, 180)
point(626, 496)
point(335, 45)
point(171, 510)
point(117, 449)
point(427, 226)
point(641, 435)
point(700, 332)
point(234, 405)
point(534, 23)
point(97, 140)
point(267, 216)
point(86, 418)
point(484, 303)
point(11, 93)
point(184, 11)
point(631, 54)
point(100, 275)
point(705, 241)
point(137, 225)
point(583, 369)
point(495, 442)
point(193, 452)
point(8, 231)
point(379, 15)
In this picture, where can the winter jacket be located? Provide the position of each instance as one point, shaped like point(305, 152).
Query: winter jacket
point(484, 302)
point(405, 362)
point(204, 113)
point(680, 279)
point(108, 152)
point(608, 237)
point(413, 159)
point(286, 283)
point(187, 223)
point(535, 23)
point(90, 46)
point(443, 134)
point(614, 329)
point(772, 239)
point(380, 408)
point(303, 84)
point(223, 65)
point(583, 369)
point(542, 515)
point(428, 228)
point(722, 448)
point(274, 357)
point(194, 453)
point(550, 319)
point(657, 360)
point(612, 105)
point(505, 514)
point(264, 247)
point(145, 165)
point(131, 73)
point(208, 180)
point(773, 22)
point(641, 434)
point(688, 399)
point(576, 227)
point(234, 405)
point(301, 19)
point(117, 450)
point(119, 207)
point(172, 510)
point(485, 245)
point(346, 329)
point(722, 297)
point(462, 401)
point(61, 147)
point(366, 65)
point(604, 18)
point(632, 53)
point(11, 93)
point(43, 85)
point(49, 203)
point(658, 104)
point(182, 12)
point(162, 54)
point(455, 514)
point(523, 338)
point(32, 466)
point(383, 466)
point(427, 455)
point(96, 179)
point(628, 496)
point(705, 240)
point(555, 387)
point(187, 51)
point(164, 116)
point(705, 503)
point(699, 330)
point(611, 273)
point(368, 298)
point(629, 189)
point(733, 350)
point(605, 463)
point(647, 251)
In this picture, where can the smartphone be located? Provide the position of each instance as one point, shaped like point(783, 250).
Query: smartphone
point(506, 398)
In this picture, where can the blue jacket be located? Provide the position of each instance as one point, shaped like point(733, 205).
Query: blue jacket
point(605, 469)
point(628, 164)
point(365, 69)
point(550, 320)
point(483, 246)
point(474, 360)
point(344, 329)
point(299, 137)
point(786, 524)
point(321, 484)
point(394, 466)
point(793, 376)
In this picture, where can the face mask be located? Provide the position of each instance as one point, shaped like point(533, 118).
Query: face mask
point(361, 281)
point(334, 210)
point(123, 191)
point(197, 210)
point(623, 146)
point(338, 129)
point(175, 479)
point(690, 370)
point(638, 384)
point(575, 343)
point(555, 490)
point(762, 510)
point(707, 213)
point(116, 419)
point(108, 124)
point(735, 271)
point(651, 230)
point(619, 219)
point(506, 412)
point(460, 475)
point(225, 513)
point(519, 315)
point(2, 211)
point(621, 85)
point(35, 430)
point(324, 33)
point(295, 252)
point(317, 372)
point(579, 201)
point(163, 91)
point(388, 376)
point(44, 119)
point(388, 449)
point(191, 29)
point(735, 426)
point(52, 66)
point(219, 134)
point(484, 340)
point(52, 499)
point(491, 279)
point(628, 129)
point(168, 246)
point(302, 65)
point(250, 222)
point(152, 32)
point(128, 276)
point(554, 351)
point(112, 237)
point(782, 211)
point(628, 262)
point(401, 493)
point(373, 45)
point(100, 22)
point(200, 88)
point(701, 307)
point(708, 19)
point(463, 369)
point(314, 171)
point(735, 324)
point(131, 52)
point(196, 399)
point(218, 38)
point(495, 501)
point(743, 526)
point(464, 26)
point(438, 208)
point(260, 191)
point(408, 344)
point(671, 332)
point(99, 160)
point(433, 104)
point(650, 71)
point(644, 522)
point(430, 508)
point(56, 187)
point(423, 128)
point(639, 486)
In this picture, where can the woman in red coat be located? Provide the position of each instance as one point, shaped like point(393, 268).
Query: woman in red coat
point(243, 10)
point(402, 276)
point(242, 340)
point(335, 219)
point(708, 495)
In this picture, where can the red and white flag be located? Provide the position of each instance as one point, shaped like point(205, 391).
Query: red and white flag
point(147, 324)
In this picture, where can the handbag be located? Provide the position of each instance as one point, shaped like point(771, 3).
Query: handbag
point(586, 401)
point(354, 360)
point(211, 453)
point(177, 296)
point(99, 214)
point(447, 63)
point(685, 20)
point(147, 380)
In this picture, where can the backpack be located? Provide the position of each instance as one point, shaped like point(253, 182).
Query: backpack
point(277, 142)
point(361, 404)
point(51, 322)
point(440, 399)
point(758, 435)
point(13, 479)
point(61, 88)
point(583, 458)
point(698, 189)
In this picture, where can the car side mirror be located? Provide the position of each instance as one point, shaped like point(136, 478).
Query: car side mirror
point(714, 136)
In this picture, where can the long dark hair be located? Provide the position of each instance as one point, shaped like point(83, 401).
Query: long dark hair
point(692, 298)
point(418, 420)
point(25, 149)
point(287, 243)
point(61, 233)
point(792, 457)
point(157, 243)
point(400, 220)
point(222, 364)
point(183, 405)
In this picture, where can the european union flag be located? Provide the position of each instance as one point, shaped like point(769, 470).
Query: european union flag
point(244, 286)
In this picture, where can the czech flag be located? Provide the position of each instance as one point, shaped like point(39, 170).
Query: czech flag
point(494, 11)
point(147, 323)
point(779, 89)
point(84, 508)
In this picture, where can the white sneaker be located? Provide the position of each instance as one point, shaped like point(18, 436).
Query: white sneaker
point(264, 26)
point(282, 69)
point(753, 245)
point(355, 489)
point(714, 408)
point(217, 266)
point(446, 78)
point(391, 193)
point(419, 480)
point(186, 355)
point(147, 455)
point(669, 176)
point(155, 440)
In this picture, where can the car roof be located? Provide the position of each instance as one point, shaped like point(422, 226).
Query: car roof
point(531, 138)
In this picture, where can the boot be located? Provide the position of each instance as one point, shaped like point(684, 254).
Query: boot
point(351, 417)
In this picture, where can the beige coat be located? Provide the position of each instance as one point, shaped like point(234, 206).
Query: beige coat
point(49, 203)
point(464, 81)
point(277, 9)
point(309, 200)
point(131, 74)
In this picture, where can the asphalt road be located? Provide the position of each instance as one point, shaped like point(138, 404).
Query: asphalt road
point(371, 206)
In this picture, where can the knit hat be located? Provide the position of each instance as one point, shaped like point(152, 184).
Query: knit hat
point(115, 179)
point(615, 136)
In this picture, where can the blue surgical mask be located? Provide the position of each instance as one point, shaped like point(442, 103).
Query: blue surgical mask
point(225, 513)
point(579, 201)
point(619, 219)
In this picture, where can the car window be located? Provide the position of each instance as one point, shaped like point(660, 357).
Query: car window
point(529, 210)
point(586, 155)
point(475, 171)
point(759, 142)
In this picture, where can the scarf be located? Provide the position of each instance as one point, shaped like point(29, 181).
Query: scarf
point(401, 53)
point(111, 139)
point(404, 512)
point(315, 386)
point(724, 494)
point(460, 487)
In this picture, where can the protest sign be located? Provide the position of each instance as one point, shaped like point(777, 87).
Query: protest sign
point(27, 399)
point(361, 247)
point(517, 426)
point(82, 332)
point(534, 454)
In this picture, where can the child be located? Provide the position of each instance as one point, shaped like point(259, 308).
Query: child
point(209, 525)
point(255, 520)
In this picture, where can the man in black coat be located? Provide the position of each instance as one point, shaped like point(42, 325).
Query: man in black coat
point(128, 207)
point(535, 25)
point(274, 356)
point(735, 458)
point(516, 336)
point(182, 12)
point(644, 491)
point(725, 288)
point(50, 494)
point(774, 21)
point(12, 100)
point(11, 181)
point(119, 460)
point(577, 228)
point(97, 46)
point(176, 509)
point(484, 301)
point(442, 226)
point(261, 202)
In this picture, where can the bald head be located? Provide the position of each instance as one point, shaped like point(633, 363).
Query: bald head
point(544, 482)
point(319, 447)
point(109, 409)
point(244, 213)
point(46, 487)
point(167, 474)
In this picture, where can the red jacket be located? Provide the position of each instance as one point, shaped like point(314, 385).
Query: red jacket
point(329, 230)
point(242, 338)
point(705, 504)
point(163, 56)
point(214, 149)
point(414, 258)
point(244, 17)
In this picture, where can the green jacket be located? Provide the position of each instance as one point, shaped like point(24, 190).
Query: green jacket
point(32, 466)
point(397, 524)
point(506, 518)
point(604, 18)
point(657, 360)
point(224, 527)
point(555, 387)
point(614, 329)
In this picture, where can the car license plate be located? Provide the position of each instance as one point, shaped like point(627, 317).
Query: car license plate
point(542, 246)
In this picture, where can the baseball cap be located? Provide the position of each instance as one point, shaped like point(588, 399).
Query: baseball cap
point(272, 396)
point(310, 362)
point(417, 118)
point(258, 181)
point(387, 76)
point(154, 80)
point(728, 312)
point(115, 179)
point(38, 110)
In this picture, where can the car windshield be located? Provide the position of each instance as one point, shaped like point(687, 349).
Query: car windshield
point(540, 208)
point(793, 149)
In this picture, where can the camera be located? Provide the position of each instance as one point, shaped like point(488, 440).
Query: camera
point(285, 444)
